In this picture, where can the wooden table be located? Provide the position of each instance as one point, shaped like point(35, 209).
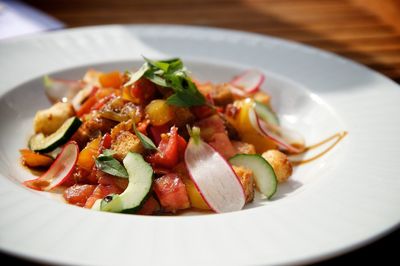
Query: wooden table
point(367, 31)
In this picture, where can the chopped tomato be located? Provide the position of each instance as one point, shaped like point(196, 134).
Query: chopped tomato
point(157, 131)
point(142, 126)
point(149, 207)
point(171, 192)
point(209, 126)
point(78, 194)
point(202, 111)
point(109, 180)
point(169, 147)
point(105, 142)
point(112, 79)
point(33, 159)
point(222, 144)
point(140, 92)
point(100, 192)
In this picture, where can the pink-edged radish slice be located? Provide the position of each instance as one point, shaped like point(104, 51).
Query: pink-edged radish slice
point(281, 140)
point(213, 176)
point(249, 81)
point(237, 91)
point(61, 90)
point(59, 171)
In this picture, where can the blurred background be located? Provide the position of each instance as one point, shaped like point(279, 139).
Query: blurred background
point(367, 31)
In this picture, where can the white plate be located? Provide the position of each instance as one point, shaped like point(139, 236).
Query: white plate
point(339, 202)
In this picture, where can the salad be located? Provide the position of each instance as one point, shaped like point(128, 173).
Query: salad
point(157, 141)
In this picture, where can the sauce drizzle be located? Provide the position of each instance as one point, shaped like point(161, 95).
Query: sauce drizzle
point(338, 137)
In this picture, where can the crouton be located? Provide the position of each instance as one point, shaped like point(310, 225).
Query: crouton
point(244, 147)
point(124, 143)
point(221, 94)
point(280, 163)
point(246, 178)
point(49, 120)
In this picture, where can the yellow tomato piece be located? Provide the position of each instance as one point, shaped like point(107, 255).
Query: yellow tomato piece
point(88, 154)
point(246, 131)
point(159, 112)
point(195, 198)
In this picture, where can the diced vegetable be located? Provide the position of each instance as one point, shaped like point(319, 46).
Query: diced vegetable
point(159, 112)
point(78, 194)
point(213, 176)
point(60, 170)
point(171, 192)
point(263, 172)
point(149, 207)
point(33, 159)
point(168, 150)
point(88, 155)
point(111, 79)
point(43, 144)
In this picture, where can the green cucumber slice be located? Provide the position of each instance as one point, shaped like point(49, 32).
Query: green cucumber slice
point(140, 181)
point(266, 113)
point(43, 144)
point(263, 173)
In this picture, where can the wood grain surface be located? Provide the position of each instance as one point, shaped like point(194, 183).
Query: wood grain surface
point(365, 31)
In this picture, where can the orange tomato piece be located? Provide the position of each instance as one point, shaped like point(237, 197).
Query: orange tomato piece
point(33, 159)
point(111, 80)
point(88, 154)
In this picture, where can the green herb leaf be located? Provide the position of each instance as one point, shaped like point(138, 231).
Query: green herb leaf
point(108, 164)
point(146, 141)
point(172, 74)
point(133, 77)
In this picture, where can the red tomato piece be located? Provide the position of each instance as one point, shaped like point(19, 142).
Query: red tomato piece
point(223, 145)
point(156, 131)
point(78, 194)
point(171, 192)
point(149, 207)
point(105, 142)
point(100, 192)
point(143, 90)
point(167, 156)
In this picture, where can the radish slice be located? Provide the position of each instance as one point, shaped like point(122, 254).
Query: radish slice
point(213, 176)
point(250, 81)
point(286, 138)
point(61, 90)
point(59, 171)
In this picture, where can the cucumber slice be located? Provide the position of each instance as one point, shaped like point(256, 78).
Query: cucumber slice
point(140, 181)
point(263, 173)
point(266, 114)
point(43, 144)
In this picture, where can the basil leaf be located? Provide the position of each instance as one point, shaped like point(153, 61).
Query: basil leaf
point(146, 141)
point(133, 77)
point(110, 165)
point(172, 74)
point(155, 78)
